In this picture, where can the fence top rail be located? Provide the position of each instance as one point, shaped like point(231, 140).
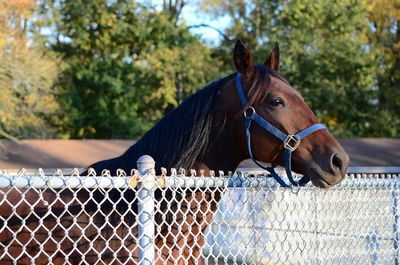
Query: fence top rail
point(256, 171)
point(350, 170)
point(244, 179)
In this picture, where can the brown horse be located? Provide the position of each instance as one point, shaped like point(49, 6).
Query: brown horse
point(205, 132)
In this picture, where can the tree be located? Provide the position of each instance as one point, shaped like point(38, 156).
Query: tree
point(383, 36)
point(124, 65)
point(27, 76)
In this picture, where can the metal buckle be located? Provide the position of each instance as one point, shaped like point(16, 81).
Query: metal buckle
point(248, 112)
point(291, 142)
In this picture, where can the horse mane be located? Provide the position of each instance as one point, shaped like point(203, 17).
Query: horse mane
point(183, 136)
point(178, 139)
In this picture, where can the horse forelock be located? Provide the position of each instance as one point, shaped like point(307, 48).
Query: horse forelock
point(261, 82)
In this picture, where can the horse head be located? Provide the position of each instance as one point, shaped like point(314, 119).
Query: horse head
point(266, 94)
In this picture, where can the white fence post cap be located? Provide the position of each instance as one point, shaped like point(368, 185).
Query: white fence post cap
point(145, 163)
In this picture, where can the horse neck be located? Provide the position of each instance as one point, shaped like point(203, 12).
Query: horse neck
point(223, 154)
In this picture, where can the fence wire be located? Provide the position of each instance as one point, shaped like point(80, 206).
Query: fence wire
point(243, 218)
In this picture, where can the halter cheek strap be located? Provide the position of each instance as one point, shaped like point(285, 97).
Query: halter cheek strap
point(290, 142)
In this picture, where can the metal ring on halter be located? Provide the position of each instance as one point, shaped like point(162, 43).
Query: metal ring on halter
point(291, 142)
point(246, 115)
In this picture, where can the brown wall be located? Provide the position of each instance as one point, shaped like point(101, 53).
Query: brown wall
point(82, 153)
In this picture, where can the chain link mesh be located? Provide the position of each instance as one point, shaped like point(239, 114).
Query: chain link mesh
point(241, 219)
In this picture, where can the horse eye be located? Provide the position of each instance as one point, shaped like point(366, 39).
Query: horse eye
point(277, 102)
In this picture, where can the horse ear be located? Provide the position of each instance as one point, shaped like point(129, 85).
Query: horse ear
point(243, 60)
point(273, 58)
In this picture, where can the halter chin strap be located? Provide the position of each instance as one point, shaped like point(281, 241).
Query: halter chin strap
point(290, 142)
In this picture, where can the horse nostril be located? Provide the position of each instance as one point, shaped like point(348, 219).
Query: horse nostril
point(337, 162)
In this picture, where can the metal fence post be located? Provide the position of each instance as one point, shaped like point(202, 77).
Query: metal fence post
point(395, 227)
point(146, 184)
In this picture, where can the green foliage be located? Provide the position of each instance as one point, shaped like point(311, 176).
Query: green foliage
point(329, 64)
point(383, 34)
point(27, 77)
point(125, 66)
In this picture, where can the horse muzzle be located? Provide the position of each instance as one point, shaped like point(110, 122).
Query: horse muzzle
point(334, 172)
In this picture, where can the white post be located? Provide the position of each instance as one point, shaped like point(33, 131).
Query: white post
point(146, 184)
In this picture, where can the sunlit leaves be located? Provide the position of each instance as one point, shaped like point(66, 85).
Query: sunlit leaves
point(27, 76)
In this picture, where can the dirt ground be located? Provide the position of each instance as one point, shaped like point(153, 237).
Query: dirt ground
point(82, 153)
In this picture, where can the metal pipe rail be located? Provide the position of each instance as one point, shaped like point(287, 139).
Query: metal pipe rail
point(91, 182)
point(242, 178)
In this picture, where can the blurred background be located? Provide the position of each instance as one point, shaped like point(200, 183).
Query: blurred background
point(110, 69)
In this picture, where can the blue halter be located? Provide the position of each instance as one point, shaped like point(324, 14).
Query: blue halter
point(290, 142)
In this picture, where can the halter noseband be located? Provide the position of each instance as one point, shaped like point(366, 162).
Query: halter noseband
point(290, 142)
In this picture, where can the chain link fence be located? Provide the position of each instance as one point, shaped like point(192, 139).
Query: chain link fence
point(244, 218)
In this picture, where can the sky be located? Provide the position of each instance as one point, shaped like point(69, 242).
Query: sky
point(193, 16)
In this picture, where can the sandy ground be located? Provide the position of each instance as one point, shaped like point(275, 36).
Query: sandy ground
point(82, 153)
